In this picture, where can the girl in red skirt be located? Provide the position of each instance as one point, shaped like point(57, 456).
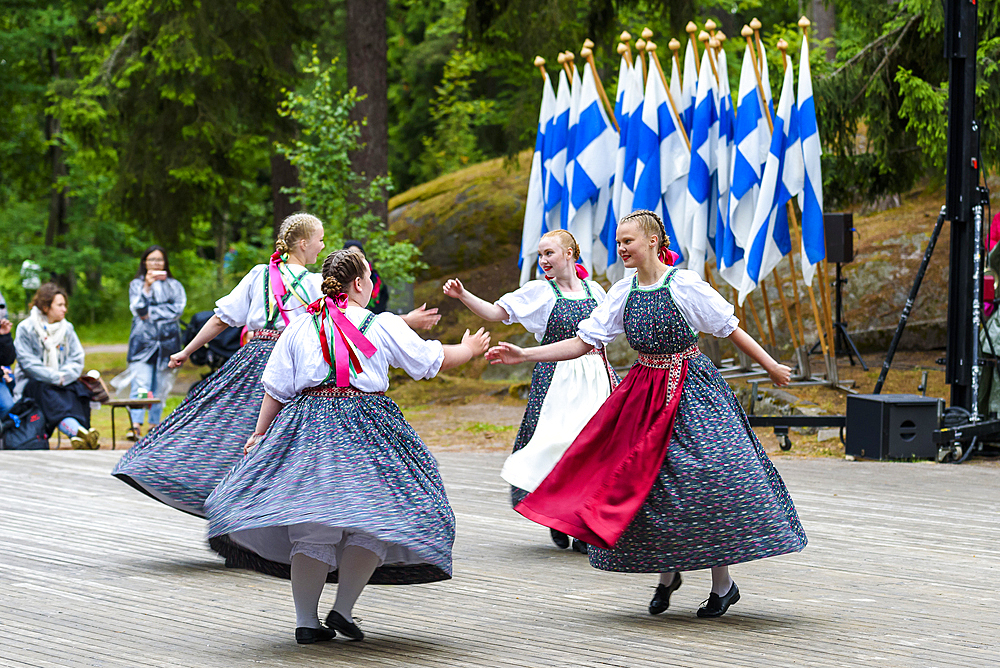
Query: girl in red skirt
point(668, 475)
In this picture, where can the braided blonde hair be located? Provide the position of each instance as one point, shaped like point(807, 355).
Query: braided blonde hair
point(651, 225)
point(294, 228)
point(565, 239)
point(340, 268)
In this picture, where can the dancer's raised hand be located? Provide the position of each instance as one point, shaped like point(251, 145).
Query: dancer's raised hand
point(478, 342)
point(505, 353)
point(453, 288)
point(422, 317)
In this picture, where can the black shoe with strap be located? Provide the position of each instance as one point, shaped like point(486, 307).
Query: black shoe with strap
point(336, 621)
point(661, 599)
point(579, 546)
point(305, 635)
point(717, 605)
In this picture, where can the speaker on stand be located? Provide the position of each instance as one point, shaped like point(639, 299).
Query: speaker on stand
point(839, 231)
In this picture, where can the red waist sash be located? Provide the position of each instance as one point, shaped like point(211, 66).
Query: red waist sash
point(603, 479)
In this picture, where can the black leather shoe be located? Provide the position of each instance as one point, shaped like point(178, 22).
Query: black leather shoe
point(579, 546)
point(559, 538)
point(305, 635)
point(717, 605)
point(337, 622)
point(661, 599)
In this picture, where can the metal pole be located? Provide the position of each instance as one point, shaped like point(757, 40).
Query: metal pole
point(909, 301)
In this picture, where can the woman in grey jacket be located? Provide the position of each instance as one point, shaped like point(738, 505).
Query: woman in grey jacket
point(157, 301)
point(49, 363)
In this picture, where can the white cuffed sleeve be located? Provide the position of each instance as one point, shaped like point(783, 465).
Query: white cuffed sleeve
point(607, 320)
point(530, 305)
point(701, 305)
point(234, 308)
point(403, 349)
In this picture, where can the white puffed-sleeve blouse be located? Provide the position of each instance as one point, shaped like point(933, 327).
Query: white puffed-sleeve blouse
point(531, 304)
point(704, 309)
point(297, 363)
point(245, 304)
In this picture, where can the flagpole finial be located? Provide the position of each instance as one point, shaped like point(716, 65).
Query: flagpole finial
point(588, 44)
point(674, 44)
point(561, 58)
point(646, 34)
point(570, 57)
point(710, 25)
point(714, 43)
point(625, 36)
point(586, 53)
point(539, 61)
point(804, 23)
point(747, 31)
point(621, 49)
point(756, 24)
point(650, 47)
point(640, 44)
point(782, 45)
point(721, 36)
point(703, 36)
point(691, 27)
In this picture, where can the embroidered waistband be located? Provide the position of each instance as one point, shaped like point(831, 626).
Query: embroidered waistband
point(667, 361)
point(265, 334)
point(334, 392)
point(595, 351)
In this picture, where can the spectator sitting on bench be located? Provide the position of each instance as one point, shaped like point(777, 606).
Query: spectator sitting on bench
point(49, 363)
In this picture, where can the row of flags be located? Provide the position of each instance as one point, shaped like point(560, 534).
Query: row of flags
point(720, 176)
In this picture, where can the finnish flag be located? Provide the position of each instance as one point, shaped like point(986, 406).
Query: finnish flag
point(534, 208)
point(554, 165)
point(663, 161)
point(628, 109)
point(589, 169)
point(811, 197)
point(782, 180)
point(702, 187)
point(724, 152)
point(751, 142)
point(689, 88)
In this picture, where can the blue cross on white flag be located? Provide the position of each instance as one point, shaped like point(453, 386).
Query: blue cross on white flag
point(727, 132)
point(782, 180)
point(663, 159)
point(593, 141)
point(576, 89)
point(751, 144)
point(702, 180)
point(556, 138)
point(628, 109)
point(811, 197)
point(534, 208)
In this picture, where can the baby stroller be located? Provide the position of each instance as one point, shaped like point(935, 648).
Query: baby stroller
point(217, 351)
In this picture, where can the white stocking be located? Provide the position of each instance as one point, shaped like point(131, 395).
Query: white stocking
point(308, 578)
point(356, 567)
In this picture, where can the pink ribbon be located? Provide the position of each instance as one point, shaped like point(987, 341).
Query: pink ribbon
point(343, 355)
point(668, 257)
point(277, 285)
point(581, 271)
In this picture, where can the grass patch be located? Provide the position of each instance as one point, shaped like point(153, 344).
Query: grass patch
point(481, 427)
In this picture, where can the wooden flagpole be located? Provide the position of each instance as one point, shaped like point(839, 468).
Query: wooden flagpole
point(747, 33)
point(640, 47)
point(691, 29)
point(704, 37)
point(675, 47)
point(561, 59)
point(793, 220)
point(651, 50)
point(587, 54)
point(767, 312)
point(540, 64)
point(624, 52)
point(756, 25)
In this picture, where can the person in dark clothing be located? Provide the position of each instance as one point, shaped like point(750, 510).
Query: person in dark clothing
point(7, 357)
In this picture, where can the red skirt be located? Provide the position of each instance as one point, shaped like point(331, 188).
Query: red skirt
point(603, 479)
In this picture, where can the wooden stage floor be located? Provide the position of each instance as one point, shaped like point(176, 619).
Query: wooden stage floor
point(901, 570)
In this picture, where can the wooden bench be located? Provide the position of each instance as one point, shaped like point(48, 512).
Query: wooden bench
point(127, 403)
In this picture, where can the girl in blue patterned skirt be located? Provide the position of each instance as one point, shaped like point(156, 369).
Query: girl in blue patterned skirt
point(564, 395)
point(336, 485)
point(668, 476)
point(182, 459)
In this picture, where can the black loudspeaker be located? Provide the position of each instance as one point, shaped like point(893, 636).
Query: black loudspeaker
point(892, 426)
point(839, 232)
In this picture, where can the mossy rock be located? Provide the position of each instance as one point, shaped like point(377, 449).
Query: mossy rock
point(467, 218)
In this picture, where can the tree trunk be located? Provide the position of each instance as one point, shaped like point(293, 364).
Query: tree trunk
point(824, 23)
point(283, 175)
point(58, 227)
point(367, 65)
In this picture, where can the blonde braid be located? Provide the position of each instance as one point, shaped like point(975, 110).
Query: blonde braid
point(294, 228)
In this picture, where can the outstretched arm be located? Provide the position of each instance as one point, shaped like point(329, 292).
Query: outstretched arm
point(508, 353)
point(472, 345)
point(422, 317)
point(485, 310)
point(779, 373)
point(209, 331)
